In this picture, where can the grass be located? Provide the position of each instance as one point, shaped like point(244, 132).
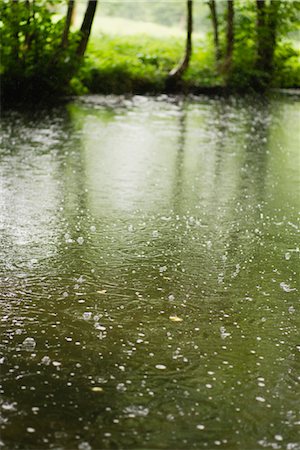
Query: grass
point(141, 63)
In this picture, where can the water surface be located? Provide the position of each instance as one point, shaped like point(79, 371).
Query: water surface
point(149, 290)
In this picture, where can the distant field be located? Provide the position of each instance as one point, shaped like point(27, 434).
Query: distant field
point(122, 26)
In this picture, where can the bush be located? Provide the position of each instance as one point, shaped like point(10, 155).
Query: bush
point(33, 60)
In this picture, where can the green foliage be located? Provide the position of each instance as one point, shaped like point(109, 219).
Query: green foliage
point(129, 64)
point(286, 66)
point(245, 73)
point(202, 70)
point(33, 60)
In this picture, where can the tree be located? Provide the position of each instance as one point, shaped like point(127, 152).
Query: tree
point(214, 18)
point(176, 74)
point(229, 37)
point(86, 27)
point(68, 22)
point(266, 32)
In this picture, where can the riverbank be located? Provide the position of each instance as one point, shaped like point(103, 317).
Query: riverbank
point(140, 64)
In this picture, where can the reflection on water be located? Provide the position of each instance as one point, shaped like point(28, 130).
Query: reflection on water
point(148, 258)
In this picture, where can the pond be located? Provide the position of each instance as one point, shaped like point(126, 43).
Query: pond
point(149, 262)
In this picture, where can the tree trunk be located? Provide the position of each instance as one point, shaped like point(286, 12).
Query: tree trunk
point(177, 72)
point(15, 26)
point(214, 18)
point(68, 22)
point(272, 29)
point(86, 27)
point(267, 18)
point(229, 37)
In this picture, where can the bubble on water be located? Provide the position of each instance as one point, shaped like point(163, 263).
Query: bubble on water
point(99, 327)
point(286, 287)
point(97, 389)
point(130, 228)
point(291, 310)
point(136, 411)
point(29, 344)
point(46, 360)
point(93, 228)
point(155, 233)
point(278, 437)
point(56, 363)
point(287, 256)
point(160, 366)
point(68, 238)
point(6, 406)
point(87, 315)
point(260, 399)
point(221, 277)
point(80, 279)
point(209, 245)
point(200, 426)
point(175, 318)
point(84, 446)
point(163, 269)
point(30, 430)
point(65, 294)
point(80, 240)
point(224, 333)
point(171, 297)
point(170, 417)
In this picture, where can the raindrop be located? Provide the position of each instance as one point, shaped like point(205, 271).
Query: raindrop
point(87, 315)
point(286, 287)
point(84, 446)
point(29, 344)
point(278, 437)
point(224, 333)
point(80, 240)
point(46, 360)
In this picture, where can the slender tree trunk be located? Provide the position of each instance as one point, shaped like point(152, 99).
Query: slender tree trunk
point(177, 72)
point(68, 22)
point(229, 36)
point(272, 28)
point(214, 18)
point(86, 27)
point(16, 44)
point(266, 25)
point(260, 33)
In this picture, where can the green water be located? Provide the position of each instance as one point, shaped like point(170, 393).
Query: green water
point(149, 290)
